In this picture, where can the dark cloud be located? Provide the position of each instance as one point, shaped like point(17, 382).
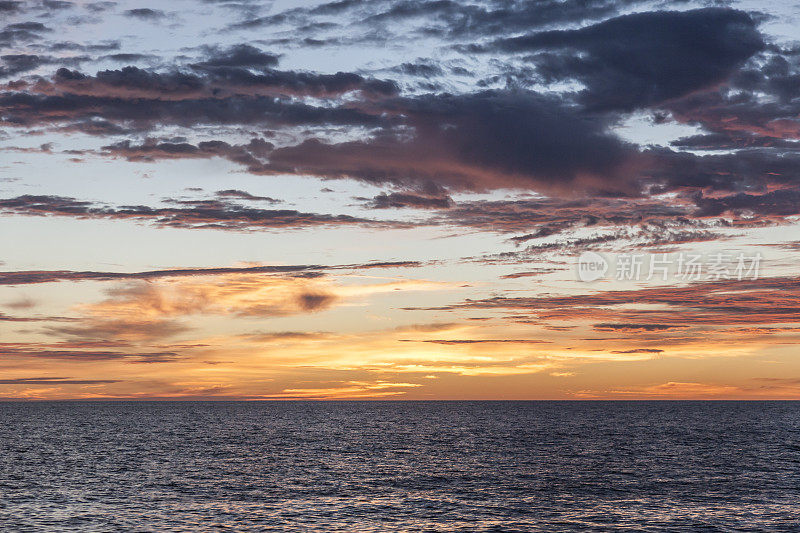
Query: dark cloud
point(446, 18)
point(471, 141)
point(154, 149)
point(13, 64)
point(148, 100)
point(781, 203)
point(722, 141)
point(637, 327)
point(422, 68)
point(643, 59)
point(17, 63)
point(706, 67)
point(54, 276)
point(55, 381)
point(530, 273)
point(105, 46)
point(745, 170)
point(235, 78)
point(7, 318)
point(410, 199)
point(545, 217)
point(135, 330)
point(9, 6)
point(37, 27)
point(28, 277)
point(22, 32)
point(477, 141)
point(753, 118)
point(774, 73)
point(457, 19)
point(244, 195)
point(130, 57)
point(639, 350)
point(384, 264)
point(315, 301)
point(97, 127)
point(145, 13)
point(212, 214)
point(726, 302)
point(99, 7)
point(219, 78)
point(542, 231)
point(52, 351)
point(241, 55)
point(57, 4)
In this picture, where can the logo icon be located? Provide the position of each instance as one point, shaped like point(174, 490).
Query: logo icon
point(591, 266)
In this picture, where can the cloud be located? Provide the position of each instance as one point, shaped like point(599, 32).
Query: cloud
point(479, 341)
point(477, 141)
point(146, 311)
point(55, 380)
point(31, 109)
point(211, 214)
point(474, 141)
point(129, 57)
point(10, 6)
point(422, 68)
point(212, 80)
point(730, 302)
point(239, 295)
point(469, 140)
point(99, 7)
point(17, 63)
point(28, 277)
point(53, 351)
point(643, 59)
point(730, 141)
point(240, 55)
point(22, 32)
point(292, 336)
point(126, 328)
point(145, 13)
point(633, 222)
point(446, 19)
point(637, 327)
point(547, 112)
point(7, 318)
point(415, 200)
point(244, 195)
point(21, 303)
point(750, 170)
point(677, 389)
point(530, 273)
point(57, 4)
point(349, 390)
point(781, 203)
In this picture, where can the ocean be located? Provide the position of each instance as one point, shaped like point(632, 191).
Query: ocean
point(400, 466)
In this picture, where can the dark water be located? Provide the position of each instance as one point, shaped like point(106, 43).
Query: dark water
point(405, 466)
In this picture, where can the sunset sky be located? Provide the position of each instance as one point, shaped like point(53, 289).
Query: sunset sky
point(215, 199)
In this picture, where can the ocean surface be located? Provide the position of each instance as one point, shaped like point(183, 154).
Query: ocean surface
point(400, 466)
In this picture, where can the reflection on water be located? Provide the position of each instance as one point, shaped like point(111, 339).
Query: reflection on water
point(400, 466)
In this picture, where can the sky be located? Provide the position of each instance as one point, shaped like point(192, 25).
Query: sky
point(406, 199)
